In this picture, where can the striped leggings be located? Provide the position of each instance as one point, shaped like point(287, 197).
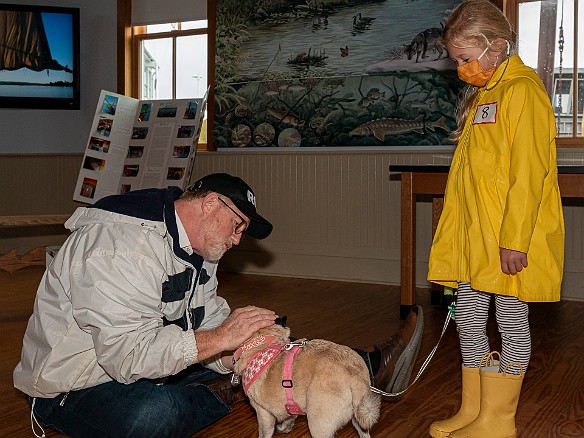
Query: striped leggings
point(472, 311)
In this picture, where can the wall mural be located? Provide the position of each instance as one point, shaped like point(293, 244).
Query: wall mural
point(333, 73)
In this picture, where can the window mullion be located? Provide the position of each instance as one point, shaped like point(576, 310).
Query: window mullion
point(174, 67)
point(575, 75)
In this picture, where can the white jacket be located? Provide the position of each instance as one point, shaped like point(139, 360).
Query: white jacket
point(120, 300)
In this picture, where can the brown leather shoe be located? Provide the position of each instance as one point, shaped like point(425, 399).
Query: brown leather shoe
point(399, 353)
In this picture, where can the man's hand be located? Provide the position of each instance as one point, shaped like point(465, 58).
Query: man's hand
point(512, 262)
point(237, 328)
point(242, 323)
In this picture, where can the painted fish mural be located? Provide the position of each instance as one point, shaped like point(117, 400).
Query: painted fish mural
point(381, 128)
point(283, 116)
point(285, 71)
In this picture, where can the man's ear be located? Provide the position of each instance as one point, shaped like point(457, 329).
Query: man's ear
point(209, 202)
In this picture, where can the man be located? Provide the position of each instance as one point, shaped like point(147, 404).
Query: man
point(127, 322)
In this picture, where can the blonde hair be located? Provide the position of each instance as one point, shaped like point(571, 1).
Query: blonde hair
point(475, 23)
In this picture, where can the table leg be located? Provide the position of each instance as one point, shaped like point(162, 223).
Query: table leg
point(408, 245)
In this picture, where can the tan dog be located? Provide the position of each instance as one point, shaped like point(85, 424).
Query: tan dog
point(328, 382)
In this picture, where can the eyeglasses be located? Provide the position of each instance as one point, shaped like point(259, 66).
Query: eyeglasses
point(239, 227)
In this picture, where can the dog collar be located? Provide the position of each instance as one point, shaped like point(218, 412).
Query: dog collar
point(253, 343)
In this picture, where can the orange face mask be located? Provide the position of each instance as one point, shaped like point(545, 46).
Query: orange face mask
point(472, 72)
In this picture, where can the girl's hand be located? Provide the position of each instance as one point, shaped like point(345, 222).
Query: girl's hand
point(512, 262)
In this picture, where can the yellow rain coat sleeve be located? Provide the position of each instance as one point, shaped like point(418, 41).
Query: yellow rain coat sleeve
point(529, 165)
point(502, 192)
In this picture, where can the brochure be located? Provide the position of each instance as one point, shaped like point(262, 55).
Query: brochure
point(137, 144)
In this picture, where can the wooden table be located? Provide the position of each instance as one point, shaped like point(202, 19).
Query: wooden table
point(431, 180)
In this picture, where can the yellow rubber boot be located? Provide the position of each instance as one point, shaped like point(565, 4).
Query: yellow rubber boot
point(469, 407)
point(499, 398)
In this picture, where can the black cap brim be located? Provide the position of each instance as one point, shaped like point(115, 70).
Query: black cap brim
point(258, 228)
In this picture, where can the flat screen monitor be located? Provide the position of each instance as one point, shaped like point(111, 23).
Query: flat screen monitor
point(39, 57)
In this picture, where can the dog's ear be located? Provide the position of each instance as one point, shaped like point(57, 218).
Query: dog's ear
point(281, 321)
point(277, 330)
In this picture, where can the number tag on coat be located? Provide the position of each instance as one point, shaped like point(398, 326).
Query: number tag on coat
point(486, 113)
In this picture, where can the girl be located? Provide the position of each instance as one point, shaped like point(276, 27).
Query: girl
point(501, 232)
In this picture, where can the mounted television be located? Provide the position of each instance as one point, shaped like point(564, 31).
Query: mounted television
point(39, 57)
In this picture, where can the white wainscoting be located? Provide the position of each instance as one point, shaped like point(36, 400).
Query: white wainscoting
point(336, 213)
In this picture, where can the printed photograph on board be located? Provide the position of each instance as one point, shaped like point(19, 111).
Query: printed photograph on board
point(98, 144)
point(92, 163)
point(175, 173)
point(139, 133)
point(145, 111)
point(191, 110)
point(104, 126)
point(88, 187)
point(109, 105)
point(167, 110)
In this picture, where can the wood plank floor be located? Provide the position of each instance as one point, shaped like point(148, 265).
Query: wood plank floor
point(358, 315)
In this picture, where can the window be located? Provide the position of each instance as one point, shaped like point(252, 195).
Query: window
point(562, 96)
point(171, 60)
point(550, 42)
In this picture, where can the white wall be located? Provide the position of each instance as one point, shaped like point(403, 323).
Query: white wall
point(66, 131)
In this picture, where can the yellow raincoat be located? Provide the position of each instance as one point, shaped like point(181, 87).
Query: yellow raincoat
point(502, 191)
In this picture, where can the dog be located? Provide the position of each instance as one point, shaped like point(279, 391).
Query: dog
point(431, 37)
point(327, 382)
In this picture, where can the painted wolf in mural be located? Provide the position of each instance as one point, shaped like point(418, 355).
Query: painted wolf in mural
point(430, 38)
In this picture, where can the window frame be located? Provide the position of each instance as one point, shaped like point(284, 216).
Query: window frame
point(512, 12)
point(140, 35)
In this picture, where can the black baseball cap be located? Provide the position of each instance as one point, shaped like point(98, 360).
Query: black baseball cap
point(242, 197)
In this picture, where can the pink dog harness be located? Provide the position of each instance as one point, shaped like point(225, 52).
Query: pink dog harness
point(291, 351)
point(258, 363)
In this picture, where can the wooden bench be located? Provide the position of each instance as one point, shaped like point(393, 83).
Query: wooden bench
point(11, 261)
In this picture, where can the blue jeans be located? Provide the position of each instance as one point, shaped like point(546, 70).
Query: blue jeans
point(141, 409)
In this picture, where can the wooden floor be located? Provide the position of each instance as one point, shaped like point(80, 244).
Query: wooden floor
point(358, 315)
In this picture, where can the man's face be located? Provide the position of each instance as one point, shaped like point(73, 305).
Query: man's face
point(224, 231)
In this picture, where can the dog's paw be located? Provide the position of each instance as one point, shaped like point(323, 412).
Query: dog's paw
point(286, 425)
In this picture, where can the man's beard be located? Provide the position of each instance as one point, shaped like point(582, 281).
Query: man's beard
point(214, 249)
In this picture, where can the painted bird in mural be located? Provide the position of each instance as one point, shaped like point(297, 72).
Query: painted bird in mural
point(358, 24)
point(364, 20)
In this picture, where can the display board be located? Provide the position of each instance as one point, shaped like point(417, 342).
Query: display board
point(136, 144)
